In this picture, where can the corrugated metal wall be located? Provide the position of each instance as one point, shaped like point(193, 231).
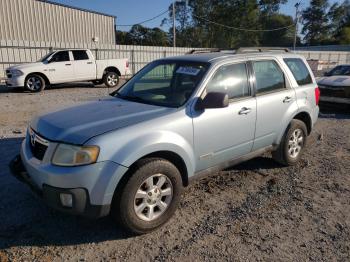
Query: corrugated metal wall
point(40, 21)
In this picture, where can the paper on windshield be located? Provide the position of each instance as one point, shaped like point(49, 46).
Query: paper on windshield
point(188, 70)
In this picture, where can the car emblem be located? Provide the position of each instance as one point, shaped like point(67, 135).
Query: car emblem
point(32, 139)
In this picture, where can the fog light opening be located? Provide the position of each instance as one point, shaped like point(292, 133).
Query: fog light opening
point(66, 200)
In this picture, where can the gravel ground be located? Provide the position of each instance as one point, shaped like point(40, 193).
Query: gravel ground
point(257, 210)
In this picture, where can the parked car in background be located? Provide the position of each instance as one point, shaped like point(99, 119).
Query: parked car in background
point(177, 119)
point(76, 65)
point(340, 70)
point(335, 87)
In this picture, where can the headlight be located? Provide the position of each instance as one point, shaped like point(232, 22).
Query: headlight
point(16, 72)
point(69, 155)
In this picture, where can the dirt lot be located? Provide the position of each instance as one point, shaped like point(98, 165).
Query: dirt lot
point(255, 211)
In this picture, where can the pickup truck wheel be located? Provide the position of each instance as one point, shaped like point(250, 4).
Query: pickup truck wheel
point(111, 79)
point(34, 83)
point(150, 197)
point(292, 144)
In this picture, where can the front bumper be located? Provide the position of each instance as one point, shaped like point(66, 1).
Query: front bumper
point(15, 81)
point(92, 186)
point(51, 195)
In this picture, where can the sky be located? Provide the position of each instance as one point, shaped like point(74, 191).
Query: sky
point(134, 11)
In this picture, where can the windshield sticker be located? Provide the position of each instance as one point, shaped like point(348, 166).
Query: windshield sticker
point(188, 70)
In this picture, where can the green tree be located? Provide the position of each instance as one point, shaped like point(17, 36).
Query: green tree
point(316, 28)
point(339, 15)
point(140, 35)
point(344, 36)
point(283, 37)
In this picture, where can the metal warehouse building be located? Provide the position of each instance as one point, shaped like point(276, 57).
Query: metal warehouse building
point(49, 22)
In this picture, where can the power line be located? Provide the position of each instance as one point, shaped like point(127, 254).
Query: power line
point(215, 23)
point(243, 29)
point(148, 20)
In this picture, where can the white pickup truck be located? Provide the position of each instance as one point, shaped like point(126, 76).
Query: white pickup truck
point(76, 65)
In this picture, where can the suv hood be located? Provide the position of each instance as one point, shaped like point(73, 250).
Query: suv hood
point(334, 81)
point(77, 124)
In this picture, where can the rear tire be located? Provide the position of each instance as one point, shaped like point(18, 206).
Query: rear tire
point(150, 196)
point(34, 83)
point(111, 79)
point(292, 144)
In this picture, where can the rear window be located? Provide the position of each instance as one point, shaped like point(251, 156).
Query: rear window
point(80, 55)
point(299, 70)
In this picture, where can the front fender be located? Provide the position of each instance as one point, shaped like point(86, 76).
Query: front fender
point(133, 149)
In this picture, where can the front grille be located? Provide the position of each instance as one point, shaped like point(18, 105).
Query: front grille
point(334, 91)
point(38, 145)
point(8, 74)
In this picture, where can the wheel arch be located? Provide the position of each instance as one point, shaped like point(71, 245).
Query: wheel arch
point(306, 118)
point(111, 69)
point(46, 79)
point(303, 116)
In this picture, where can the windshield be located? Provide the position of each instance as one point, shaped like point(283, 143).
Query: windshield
point(44, 58)
point(340, 70)
point(164, 83)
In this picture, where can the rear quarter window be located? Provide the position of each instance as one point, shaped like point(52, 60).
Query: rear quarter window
point(299, 70)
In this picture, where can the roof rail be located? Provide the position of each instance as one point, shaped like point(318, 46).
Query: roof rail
point(240, 50)
point(260, 49)
point(207, 50)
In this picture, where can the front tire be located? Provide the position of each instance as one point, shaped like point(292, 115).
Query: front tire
point(150, 196)
point(111, 79)
point(34, 83)
point(292, 144)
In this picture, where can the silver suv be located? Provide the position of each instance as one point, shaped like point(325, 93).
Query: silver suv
point(131, 154)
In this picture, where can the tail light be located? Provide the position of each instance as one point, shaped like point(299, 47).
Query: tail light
point(127, 64)
point(317, 95)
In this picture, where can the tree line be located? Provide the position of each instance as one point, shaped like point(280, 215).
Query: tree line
point(234, 23)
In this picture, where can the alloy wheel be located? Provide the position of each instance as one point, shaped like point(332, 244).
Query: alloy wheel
point(153, 197)
point(295, 143)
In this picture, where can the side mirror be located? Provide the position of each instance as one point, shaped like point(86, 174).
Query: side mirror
point(213, 100)
point(326, 74)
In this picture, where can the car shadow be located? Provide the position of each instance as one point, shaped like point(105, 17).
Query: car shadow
point(25, 220)
point(8, 89)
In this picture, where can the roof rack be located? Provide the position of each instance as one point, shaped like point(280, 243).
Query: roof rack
point(260, 49)
point(240, 50)
point(208, 50)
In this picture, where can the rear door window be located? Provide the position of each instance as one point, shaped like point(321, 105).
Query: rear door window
point(80, 55)
point(299, 70)
point(269, 76)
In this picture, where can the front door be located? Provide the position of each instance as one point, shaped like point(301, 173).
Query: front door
point(60, 68)
point(226, 133)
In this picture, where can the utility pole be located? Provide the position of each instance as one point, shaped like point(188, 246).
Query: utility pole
point(174, 29)
point(296, 23)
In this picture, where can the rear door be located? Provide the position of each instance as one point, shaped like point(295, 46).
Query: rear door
point(60, 68)
point(223, 134)
point(84, 66)
point(275, 101)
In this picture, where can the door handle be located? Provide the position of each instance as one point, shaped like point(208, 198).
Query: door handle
point(244, 111)
point(287, 99)
point(89, 63)
point(68, 64)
